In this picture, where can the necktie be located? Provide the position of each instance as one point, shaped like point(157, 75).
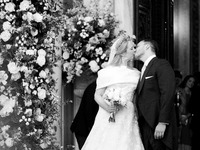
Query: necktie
point(142, 71)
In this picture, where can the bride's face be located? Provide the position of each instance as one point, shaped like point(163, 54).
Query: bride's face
point(130, 50)
point(139, 51)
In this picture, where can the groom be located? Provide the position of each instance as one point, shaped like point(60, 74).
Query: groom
point(155, 97)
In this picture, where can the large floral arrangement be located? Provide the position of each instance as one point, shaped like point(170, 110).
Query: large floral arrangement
point(28, 105)
point(88, 33)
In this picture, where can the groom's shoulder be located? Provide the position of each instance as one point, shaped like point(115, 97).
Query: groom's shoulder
point(161, 60)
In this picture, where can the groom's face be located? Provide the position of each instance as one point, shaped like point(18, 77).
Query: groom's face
point(140, 50)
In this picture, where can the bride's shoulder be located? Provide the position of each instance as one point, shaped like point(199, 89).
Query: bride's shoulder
point(118, 69)
point(105, 70)
point(135, 70)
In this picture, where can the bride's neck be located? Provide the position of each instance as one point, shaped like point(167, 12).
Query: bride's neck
point(124, 62)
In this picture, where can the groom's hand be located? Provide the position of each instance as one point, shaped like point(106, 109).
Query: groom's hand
point(160, 131)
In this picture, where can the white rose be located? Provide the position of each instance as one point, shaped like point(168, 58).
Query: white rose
point(39, 131)
point(30, 52)
point(16, 76)
point(41, 60)
point(5, 128)
point(94, 66)
point(34, 92)
point(7, 108)
point(109, 94)
point(28, 112)
point(38, 111)
point(24, 69)
point(79, 72)
point(28, 103)
point(13, 68)
point(10, 7)
point(3, 100)
point(106, 33)
point(40, 117)
point(66, 55)
point(29, 16)
point(34, 32)
point(24, 17)
point(24, 5)
point(3, 77)
point(37, 17)
point(88, 19)
point(123, 101)
point(116, 94)
point(5, 135)
point(66, 65)
point(2, 88)
point(9, 142)
point(41, 93)
point(2, 14)
point(51, 130)
point(32, 86)
point(8, 46)
point(7, 25)
point(41, 52)
point(101, 23)
point(43, 74)
point(5, 35)
point(43, 145)
point(2, 143)
point(83, 60)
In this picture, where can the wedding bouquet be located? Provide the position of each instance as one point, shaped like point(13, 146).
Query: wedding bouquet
point(115, 96)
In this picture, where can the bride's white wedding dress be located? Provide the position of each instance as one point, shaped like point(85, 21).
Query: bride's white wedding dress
point(123, 134)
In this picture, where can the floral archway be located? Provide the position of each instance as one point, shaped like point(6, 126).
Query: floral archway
point(29, 32)
point(30, 41)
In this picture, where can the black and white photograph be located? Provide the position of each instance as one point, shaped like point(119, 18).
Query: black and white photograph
point(99, 74)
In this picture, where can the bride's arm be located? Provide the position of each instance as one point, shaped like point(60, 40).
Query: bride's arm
point(98, 96)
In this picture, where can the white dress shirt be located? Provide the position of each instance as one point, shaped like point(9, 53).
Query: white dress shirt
point(145, 64)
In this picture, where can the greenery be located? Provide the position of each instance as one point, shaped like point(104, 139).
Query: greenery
point(29, 31)
point(88, 33)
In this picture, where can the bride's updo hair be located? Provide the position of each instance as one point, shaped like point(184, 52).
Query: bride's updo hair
point(118, 50)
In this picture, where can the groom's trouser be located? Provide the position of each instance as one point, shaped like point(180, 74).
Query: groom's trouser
point(147, 133)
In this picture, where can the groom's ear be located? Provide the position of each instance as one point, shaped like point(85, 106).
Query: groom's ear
point(147, 46)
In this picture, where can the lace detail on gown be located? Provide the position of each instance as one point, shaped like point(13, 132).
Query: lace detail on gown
point(123, 134)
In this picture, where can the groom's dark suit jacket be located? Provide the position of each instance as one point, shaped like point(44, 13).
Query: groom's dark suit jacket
point(155, 98)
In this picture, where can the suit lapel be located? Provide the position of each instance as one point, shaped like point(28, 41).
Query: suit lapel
point(141, 82)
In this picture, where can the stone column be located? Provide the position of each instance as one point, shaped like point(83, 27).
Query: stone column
point(58, 77)
point(123, 9)
point(182, 36)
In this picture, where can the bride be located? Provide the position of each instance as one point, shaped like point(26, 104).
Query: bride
point(116, 125)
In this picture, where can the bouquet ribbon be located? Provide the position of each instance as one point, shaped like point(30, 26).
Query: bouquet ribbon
point(112, 117)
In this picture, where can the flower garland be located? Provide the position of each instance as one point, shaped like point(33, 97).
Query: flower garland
point(29, 30)
point(88, 33)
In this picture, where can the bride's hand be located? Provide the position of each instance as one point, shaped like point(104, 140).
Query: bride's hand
point(111, 108)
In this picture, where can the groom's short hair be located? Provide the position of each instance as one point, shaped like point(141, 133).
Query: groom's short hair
point(153, 44)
